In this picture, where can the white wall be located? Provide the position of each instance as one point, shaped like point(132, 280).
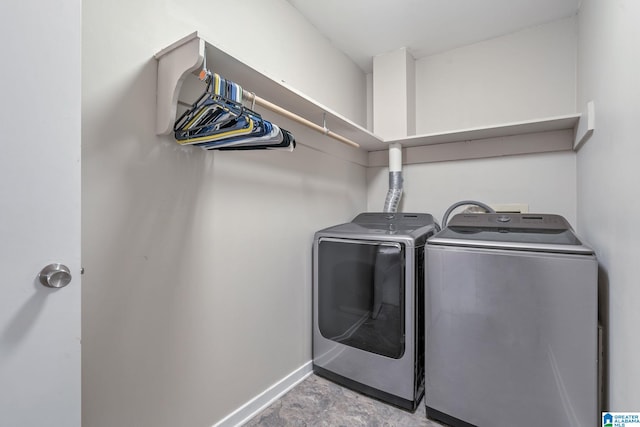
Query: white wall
point(394, 94)
point(520, 76)
point(525, 75)
point(274, 39)
point(197, 290)
point(546, 182)
point(608, 177)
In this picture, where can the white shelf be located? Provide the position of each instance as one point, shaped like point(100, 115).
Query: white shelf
point(184, 57)
point(547, 124)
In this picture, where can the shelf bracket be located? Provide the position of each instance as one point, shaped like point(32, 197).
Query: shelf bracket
point(586, 125)
point(175, 62)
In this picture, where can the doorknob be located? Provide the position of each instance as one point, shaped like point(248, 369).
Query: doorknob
point(55, 276)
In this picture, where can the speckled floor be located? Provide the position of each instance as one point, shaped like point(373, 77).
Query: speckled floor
point(319, 402)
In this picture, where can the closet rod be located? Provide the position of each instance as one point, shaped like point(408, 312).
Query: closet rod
point(253, 98)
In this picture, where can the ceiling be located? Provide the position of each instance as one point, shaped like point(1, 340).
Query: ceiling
point(365, 28)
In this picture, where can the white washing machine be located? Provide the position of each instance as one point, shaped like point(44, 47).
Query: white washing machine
point(368, 305)
point(511, 323)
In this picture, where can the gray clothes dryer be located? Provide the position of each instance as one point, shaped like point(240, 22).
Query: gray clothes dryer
point(368, 305)
point(511, 323)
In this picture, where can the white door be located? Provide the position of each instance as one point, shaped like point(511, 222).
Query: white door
point(39, 212)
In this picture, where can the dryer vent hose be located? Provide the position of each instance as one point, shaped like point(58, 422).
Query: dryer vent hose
point(394, 194)
point(395, 179)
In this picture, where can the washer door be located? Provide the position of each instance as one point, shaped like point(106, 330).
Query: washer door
point(361, 294)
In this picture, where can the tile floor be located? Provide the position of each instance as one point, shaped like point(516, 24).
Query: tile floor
point(319, 402)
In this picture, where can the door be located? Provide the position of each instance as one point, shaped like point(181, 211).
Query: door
point(39, 212)
point(361, 294)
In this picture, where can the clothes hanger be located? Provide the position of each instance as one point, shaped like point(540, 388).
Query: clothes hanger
point(218, 120)
point(212, 117)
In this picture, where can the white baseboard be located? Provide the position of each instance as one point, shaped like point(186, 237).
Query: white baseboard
point(266, 398)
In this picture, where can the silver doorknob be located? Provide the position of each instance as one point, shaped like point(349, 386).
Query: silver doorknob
point(55, 276)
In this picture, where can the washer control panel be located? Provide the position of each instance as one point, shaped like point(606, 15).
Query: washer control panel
point(510, 221)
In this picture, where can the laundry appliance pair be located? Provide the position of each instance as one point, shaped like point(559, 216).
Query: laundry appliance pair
point(498, 311)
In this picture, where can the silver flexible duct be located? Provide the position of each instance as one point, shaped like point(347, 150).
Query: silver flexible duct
point(394, 193)
point(395, 179)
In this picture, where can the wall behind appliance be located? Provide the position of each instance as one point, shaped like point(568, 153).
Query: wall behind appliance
point(197, 290)
point(607, 166)
point(521, 76)
point(546, 182)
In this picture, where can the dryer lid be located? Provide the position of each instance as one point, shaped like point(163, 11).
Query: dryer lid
point(412, 228)
point(537, 232)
